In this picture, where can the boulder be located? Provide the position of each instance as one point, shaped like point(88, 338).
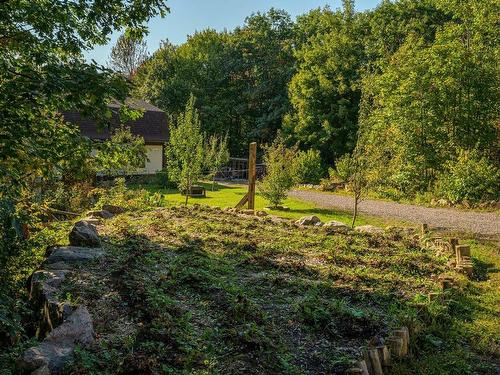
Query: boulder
point(58, 347)
point(101, 214)
point(308, 220)
point(336, 226)
point(113, 209)
point(64, 257)
point(84, 234)
point(44, 288)
point(369, 229)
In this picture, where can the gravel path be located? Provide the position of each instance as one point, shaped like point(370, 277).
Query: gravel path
point(483, 223)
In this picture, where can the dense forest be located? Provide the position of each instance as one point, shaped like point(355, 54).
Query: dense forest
point(415, 84)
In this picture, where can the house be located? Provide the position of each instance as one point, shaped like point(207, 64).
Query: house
point(152, 126)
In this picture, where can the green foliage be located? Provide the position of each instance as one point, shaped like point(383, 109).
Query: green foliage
point(185, 149)
point(123, 153)
point(470, 178)
point(436, 94)
point(308, 167)
point(325, 92)
point(239, 78)
point(216, 155)
point(279, 177)
point(353, 169)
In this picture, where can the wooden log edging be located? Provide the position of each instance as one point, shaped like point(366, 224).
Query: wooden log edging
point(378, 359)
point(452, 247)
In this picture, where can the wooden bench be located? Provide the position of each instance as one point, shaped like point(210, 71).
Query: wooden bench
point(197, 191)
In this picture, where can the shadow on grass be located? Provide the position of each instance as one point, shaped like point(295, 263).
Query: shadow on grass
point(482, 269)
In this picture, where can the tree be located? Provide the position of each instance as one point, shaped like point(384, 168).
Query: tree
point(432, 98)
point(239, 78)
point(308, 167)
point(42, 73)
point(128, 54)
point(121, 154)
point(279, 178)
point(353, 168)
point(185, 149)
point(216, 155)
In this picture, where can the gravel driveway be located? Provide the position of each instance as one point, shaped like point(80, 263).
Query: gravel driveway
point(487, 223)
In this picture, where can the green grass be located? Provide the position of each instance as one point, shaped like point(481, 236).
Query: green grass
point(230, 195)
point(195, 290)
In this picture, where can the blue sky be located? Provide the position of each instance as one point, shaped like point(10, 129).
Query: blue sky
point(188, 16)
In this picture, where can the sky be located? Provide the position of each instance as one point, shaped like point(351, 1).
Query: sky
point(188, 16)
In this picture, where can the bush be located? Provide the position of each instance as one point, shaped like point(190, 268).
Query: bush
point(308, 168)
point(279, 178)
point(472, 177)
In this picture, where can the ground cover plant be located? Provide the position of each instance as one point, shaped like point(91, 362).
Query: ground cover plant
point(195, 290)
point(228, 195)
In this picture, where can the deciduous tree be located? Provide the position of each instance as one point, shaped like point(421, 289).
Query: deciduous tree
point(128, 54)
point(185, 149)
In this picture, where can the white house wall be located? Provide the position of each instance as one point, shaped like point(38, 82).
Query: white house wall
point(154, 162)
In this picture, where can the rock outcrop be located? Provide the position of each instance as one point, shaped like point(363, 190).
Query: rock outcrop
point(57, 349)
point(84, 234)
point(309, 220)
point(336, 226)
point(63, 324)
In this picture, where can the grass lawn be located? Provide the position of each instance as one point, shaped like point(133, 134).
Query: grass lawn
point(230, 195)
point(194, 290)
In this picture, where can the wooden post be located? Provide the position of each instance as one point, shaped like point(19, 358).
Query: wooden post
point(462, 251)
point(362, 365)
point(376, 365)
point(385, 357)
point(252, 175)
point(396, 346)
point(453, 243)
point(425, 229)
point(401, 334)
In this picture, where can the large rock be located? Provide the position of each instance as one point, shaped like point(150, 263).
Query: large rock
point(57, 349)
point(101, 214)
point(336, 226)
point(44, 289)
point(84, 234)
point(64, 257)
point(113, 209)
point(369, 229)
point(308, 220)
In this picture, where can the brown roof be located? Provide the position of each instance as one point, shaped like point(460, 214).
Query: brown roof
point(152, 126)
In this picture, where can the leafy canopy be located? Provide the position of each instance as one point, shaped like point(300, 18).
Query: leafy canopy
point(185, 149)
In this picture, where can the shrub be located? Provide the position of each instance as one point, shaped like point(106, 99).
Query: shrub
point(308, 168)
point(279, 178)
point(471, 177)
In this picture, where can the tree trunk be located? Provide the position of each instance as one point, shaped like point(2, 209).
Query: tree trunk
point(355, 214)
point(213, 183)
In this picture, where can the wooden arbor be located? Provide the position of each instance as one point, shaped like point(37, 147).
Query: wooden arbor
point(252, 176)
